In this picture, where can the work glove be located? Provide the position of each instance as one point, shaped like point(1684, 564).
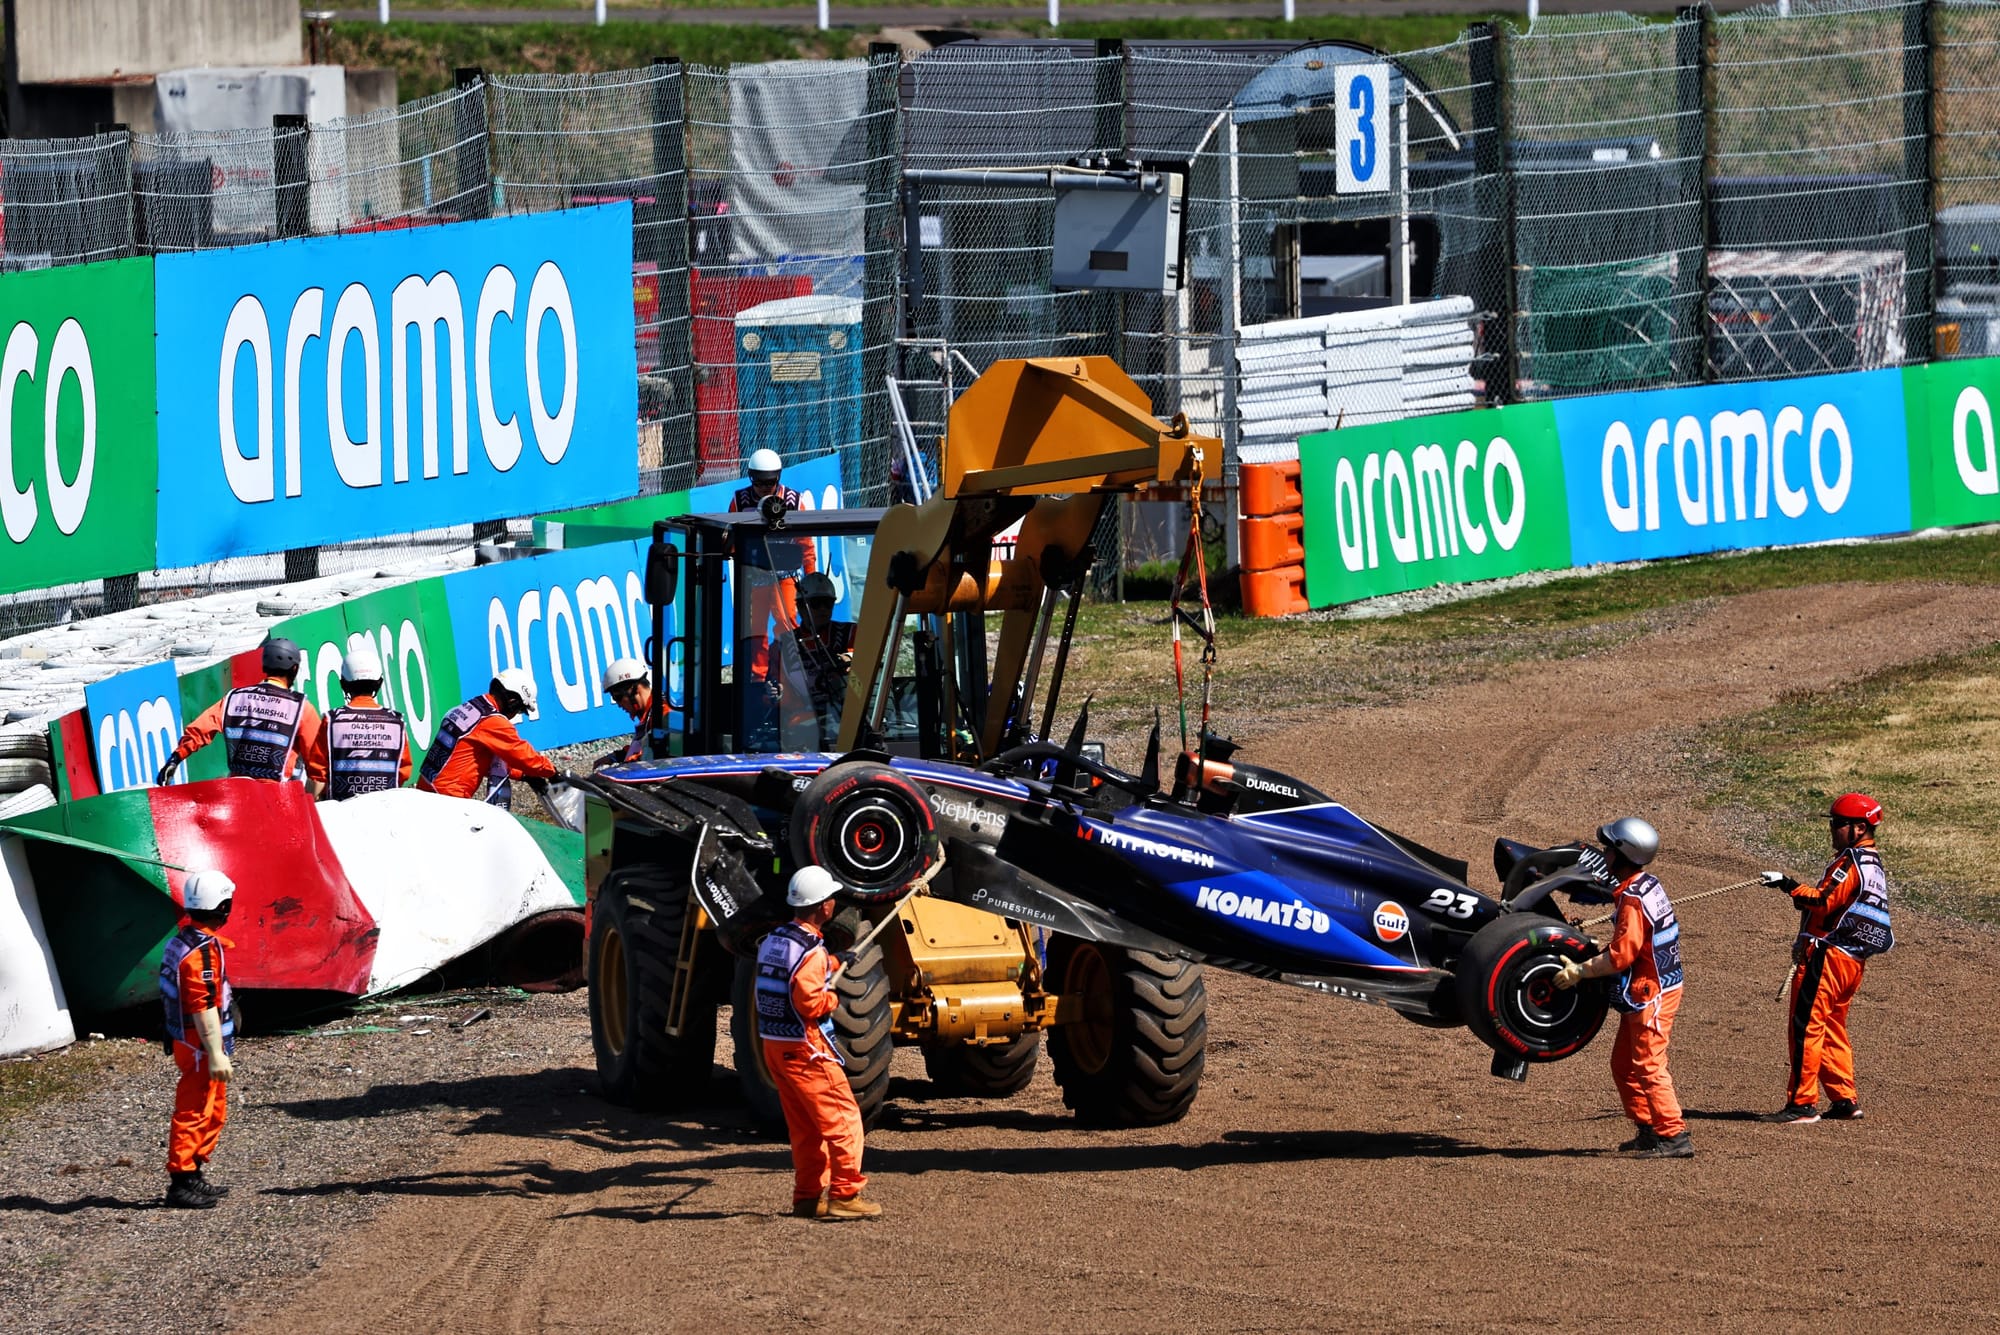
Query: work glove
point(208, 1024)
point(1778, 880)
point(166, 773)
point(1569, 975)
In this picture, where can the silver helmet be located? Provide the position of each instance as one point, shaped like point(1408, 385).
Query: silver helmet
point(1631, 838)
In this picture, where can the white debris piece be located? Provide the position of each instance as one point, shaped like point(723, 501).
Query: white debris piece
point(34, 1014)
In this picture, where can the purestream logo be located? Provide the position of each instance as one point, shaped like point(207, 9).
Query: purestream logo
point(1132, 843)
point(1734, 468)
point(1008, 908)
point(1425, 506)
point(1296, 914)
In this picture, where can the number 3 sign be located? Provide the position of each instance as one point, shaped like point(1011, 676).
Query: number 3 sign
point(1361, 153)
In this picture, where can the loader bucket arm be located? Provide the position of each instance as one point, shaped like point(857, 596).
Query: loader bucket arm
point(1044, 440)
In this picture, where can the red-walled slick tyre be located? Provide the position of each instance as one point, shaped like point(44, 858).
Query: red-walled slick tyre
point(1506, 988)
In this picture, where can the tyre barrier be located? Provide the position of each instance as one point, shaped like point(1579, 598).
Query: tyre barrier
point(1270, 534)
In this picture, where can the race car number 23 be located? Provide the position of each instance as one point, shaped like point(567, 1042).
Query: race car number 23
point(1452, 903)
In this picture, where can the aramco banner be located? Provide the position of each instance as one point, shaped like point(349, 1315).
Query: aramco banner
point(77, 454)
point(334, 388)
point(1950, 408)
point(1432, 500)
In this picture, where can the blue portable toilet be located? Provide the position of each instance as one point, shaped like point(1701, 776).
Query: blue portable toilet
point(798, 378)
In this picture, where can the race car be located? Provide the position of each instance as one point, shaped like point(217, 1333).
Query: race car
point(1232, 866)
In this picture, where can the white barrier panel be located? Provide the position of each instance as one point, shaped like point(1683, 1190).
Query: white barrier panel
point(34, 1014)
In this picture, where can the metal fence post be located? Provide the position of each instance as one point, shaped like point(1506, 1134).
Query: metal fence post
point(291, 189)
point(881, 253)
point(666, 246)
point(1108, 309)
point(475, 178)
point(1694, 146)
point(1492, 119)
point(1919, 171)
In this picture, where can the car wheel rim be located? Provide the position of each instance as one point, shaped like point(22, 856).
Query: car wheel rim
point(1090, 1036)
point(872, 839)
point(611, 991)
point(1541, 1008)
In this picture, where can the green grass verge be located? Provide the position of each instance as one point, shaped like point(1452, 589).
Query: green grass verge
point(1316, 663)
point(28, 1085)
point(1923, 739)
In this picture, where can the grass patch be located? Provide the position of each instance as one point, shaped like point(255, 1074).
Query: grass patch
point(1923, 739)
point(1269, 669)
point(26, 1086)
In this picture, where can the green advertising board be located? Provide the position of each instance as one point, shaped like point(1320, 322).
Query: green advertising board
point(411, 631)
point(1950, 409)
point(1432, 500)
point(620, 521)
point(79, 466)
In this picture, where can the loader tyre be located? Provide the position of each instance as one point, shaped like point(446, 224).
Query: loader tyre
point(861, 1031)
point(991, 1072)
point(1507, 992)
point(869, 826)
point(635, 937)
point(1134, 1057)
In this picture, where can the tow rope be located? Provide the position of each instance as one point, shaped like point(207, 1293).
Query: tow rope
point(1195, 554)
point(1603, 918)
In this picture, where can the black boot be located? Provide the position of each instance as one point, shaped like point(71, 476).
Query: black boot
point(183, 1194)
point(206, 1187)
point(1677, 1146)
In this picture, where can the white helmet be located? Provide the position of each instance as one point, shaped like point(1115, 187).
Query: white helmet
point(765, 465)
point(362, 664)
point(810, 886)
point(518, 682)
point(622, 671)
point(206, 891)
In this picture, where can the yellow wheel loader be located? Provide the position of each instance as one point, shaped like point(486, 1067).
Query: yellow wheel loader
point(852, 736)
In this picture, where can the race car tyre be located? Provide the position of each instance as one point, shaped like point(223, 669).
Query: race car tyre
point(1134, 1058)
point(869, 826)
point(25, 744)
point(860, 1031)
point(994, 1071)
point(18, 775)
point(1506, 988)
point(635, 937)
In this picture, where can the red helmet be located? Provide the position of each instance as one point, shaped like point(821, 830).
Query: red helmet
point(1857, 806)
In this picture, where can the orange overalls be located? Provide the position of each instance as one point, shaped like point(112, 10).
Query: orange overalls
point(773, 589)
point(217, 719)
point(201, 1105)
point(479, 742)
point(794, 996)
point(1645, 945)
point(1842, 921)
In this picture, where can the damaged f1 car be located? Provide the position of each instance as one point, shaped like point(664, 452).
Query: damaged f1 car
point(1001, 886)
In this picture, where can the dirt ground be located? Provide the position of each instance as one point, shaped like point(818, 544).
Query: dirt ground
point(1342, 1169)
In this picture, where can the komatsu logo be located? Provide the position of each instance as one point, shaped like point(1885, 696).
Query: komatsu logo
point(1297, 913)
point(1132, 843)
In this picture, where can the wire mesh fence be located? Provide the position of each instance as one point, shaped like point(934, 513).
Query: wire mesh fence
point(564, 140)
point(1621, 203)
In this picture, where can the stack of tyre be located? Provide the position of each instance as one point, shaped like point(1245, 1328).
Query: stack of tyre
point(27, 779)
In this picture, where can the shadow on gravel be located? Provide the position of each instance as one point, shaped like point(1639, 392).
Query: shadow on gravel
point(37, 1205)
point(539, 1178)
point(1234, 1149)
point(1721, 1115)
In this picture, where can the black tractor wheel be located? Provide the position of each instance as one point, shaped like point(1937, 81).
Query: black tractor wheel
point(992, 1071)
point(860, 1031)
point(635, 937)
point(1507, 991)
point(868, 825)
point(1134, 1058)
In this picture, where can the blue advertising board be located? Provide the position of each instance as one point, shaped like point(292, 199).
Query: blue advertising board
point(564, 617)
point(1753, 464)
point(135, 721)
point(334, 388)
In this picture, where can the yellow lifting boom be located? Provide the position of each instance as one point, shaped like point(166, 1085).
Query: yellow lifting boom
point(1047, 441)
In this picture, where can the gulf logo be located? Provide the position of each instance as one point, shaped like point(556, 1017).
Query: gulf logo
point(1391, 923)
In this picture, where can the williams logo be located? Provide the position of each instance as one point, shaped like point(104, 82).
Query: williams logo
point(1391, 923)
point(1152, 848)
point(1297, 913)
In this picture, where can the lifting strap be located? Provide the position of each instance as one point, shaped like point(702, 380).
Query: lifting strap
point(1195, 555)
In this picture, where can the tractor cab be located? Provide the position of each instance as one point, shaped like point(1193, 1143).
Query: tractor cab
point(757, 662)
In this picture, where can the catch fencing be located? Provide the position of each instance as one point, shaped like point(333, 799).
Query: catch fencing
point(1623, 203)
